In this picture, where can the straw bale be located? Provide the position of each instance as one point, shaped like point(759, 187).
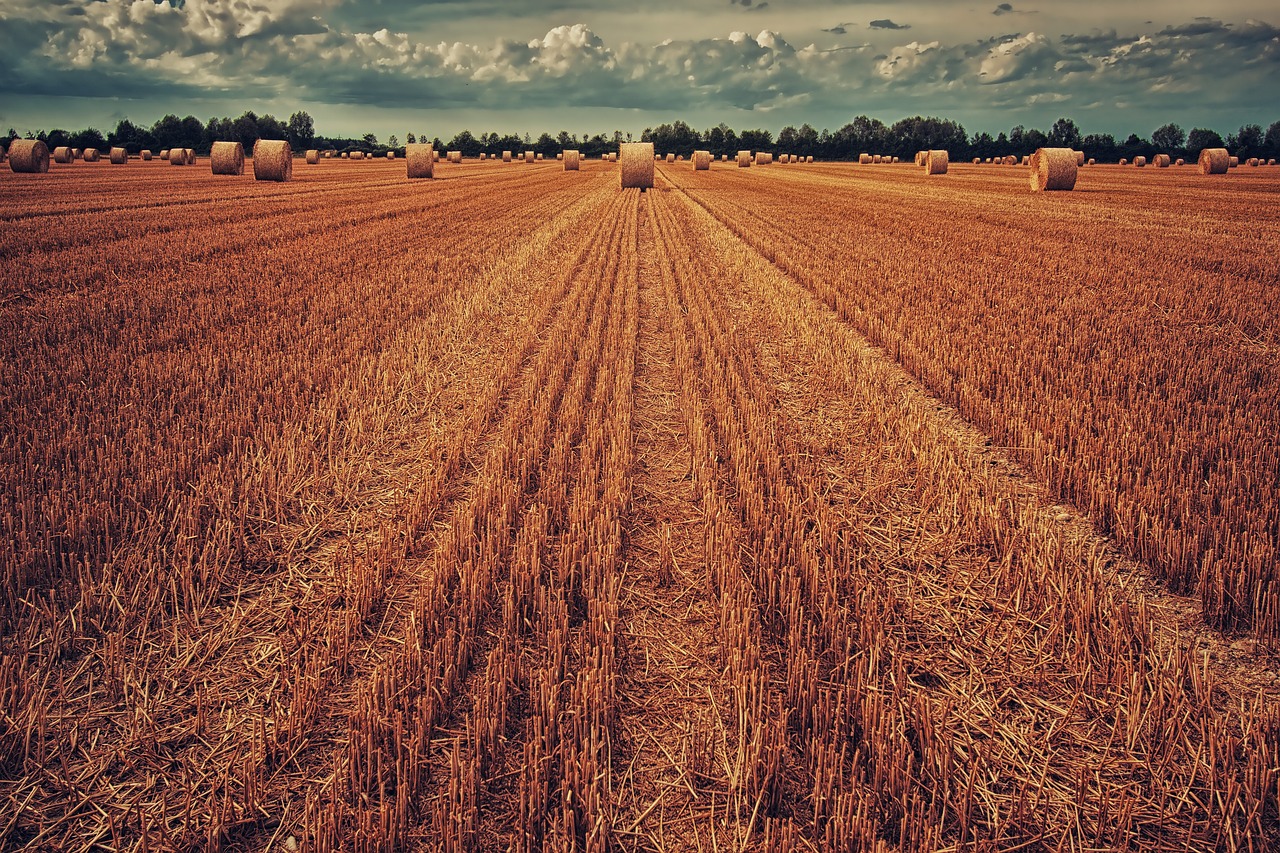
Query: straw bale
point(118, 156)
point(864, 159)
point(313, 156)
point(744, 159)
point(227, 158)
point(91, 155)
point(1079, 158)
point(29, 156)
point(1053, 169)
point(1140, 161)
point(637, 164)
point(272, 160)
point(177, 156)
point(701, 161)
point(506, 156)
point(530, 157)
point(1161, 161)
point(62, 154)
point(1233, 162)
point(571, 159)
point(1214, 161)
point(145, 154)
point(418, 160)
point(935, 162)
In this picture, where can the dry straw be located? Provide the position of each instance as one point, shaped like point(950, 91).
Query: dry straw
point(1214, 161)
point(724, 158)
point(637, 164)
point(808, 158)
point(63, 154)
point(272, 160)
point(935, 162)
point(227, 158)
point(1053, 169)
point(418, 161)
point(894, 160)
point(701, 161)
point(91, 155)
point(1161, 161)
point(145, 154)
point(744, 159)
point(29, 156)
point(119, 156)
point(571, 159)
point(177, 156)
point(313, 156)
point(876, 159)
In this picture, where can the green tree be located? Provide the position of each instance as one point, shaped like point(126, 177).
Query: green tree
point(301, 130)
point(1169, 139)
point(1064, 134)
point(1200, 138)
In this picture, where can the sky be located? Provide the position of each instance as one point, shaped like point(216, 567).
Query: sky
point(588, 66)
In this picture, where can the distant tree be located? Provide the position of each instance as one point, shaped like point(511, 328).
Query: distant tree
point(1064, 134)
point(1200, 138)
point(301, 130)
point(1100, 145)
point(370, 140)
point(1168, 139)
point(546, 145)
point(1247, 141)
point(756, 140)
point(1271, 142)
point(1134, 146)
point(564, 140)
point(56, 138)
point(393, 141)
point(245, 130)
point(88, 138)
point(270, 127)
point(410, 139)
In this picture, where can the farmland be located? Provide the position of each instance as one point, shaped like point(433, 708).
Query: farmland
point(794, 507)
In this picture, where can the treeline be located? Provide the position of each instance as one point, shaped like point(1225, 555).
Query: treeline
point(863, 134)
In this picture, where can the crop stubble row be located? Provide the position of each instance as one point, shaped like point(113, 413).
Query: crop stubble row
point(460, 654)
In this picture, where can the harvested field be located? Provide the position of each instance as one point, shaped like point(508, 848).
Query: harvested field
point(644, 530)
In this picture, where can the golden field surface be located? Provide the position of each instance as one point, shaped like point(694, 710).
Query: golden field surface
point(798, 507)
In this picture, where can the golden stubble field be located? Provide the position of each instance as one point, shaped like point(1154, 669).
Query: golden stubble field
point(798, 507)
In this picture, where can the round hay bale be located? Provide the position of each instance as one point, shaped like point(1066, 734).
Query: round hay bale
point(538, 156)
point(1233, 162)
point(1140, 161)
point(191, 156)
point(1271, 161)
point(345, 156)
point(1161, 161)
point(701, 161)
point(177, 156)
point(763, 158)
point(118, 156)
point(1124, 161)
point(808, 158)
point(1214, 161)
point(935, 162)
point(1092, 162)
point(272, 160)
point(62, 154)
point(91, 155)
point(145, 154)
point(1079, 158)
point(1026, 160)
point(571, 159)
point(875, 159)
point(637, 164)
point(530, 157)
point(418, 162)
point(988, 161)
point(313, 156)
point(744, 159)
point(506, 156)
point(453, 156)
point(1253, 161)
point(391, 155)
point(227, 158)
point(1053, 169)
point(613, 156)
point(28, 156)
point(864, 159)
point(1179, 162)
point(1011, 160)
point(920, 157)
point(724, 158)
point(894, 160)
point(671, 158)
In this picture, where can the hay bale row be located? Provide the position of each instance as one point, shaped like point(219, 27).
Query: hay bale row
point(419, 160)
point(28, 156)
point(571, 159)
point(1214, 161)
point(935, 162)
point(272, 160)
point(701, 161)
point(637, 165)
point(1053, 169)
point(226, 158)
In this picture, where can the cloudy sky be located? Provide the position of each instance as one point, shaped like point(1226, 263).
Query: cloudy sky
point(435, 67)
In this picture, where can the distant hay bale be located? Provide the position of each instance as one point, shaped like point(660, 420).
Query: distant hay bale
point(559, 155)
point(1232, 162)
point(935, 162)
point(119, 156)
point(1124, 161)
point(1179, 162)
point(357, 155)
point(313, 156)
point(91, 155)
point(1253, 161)
point(76, 153)
point(62, 154)
point(671, 158)
point(391, 155)
point(1092, 162)
point(28, 156)
point(227, 158)
point(1140, 162)
point(1011, 160)
point(744, 159)
point(988, 161)
point(977, 161)
point(177, 156)
point(1026, 160)
point(875, 158)
point(530, 157)
point(657, 157)
point(763, 158)
point(1161, 161)
point(418, 161)
point(1271, 161)
point(345, 156)
point(1053, 169)
point(864, 159)
point(920, 157)
point(537, 156)
point(571, 159)
point(784, 158)
point(145, 154)
point(454, 156)
point(894, 160)
point(701, 161)
point(613, 156)
point(1079, 158)
point(506, 156)
point(724, 158)
point(1214, 161)
point(482, 156)
point(272, 160)
point(808, 158)
point(637, 164)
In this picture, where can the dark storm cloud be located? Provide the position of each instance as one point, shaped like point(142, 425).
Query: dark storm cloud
point(886, 24)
